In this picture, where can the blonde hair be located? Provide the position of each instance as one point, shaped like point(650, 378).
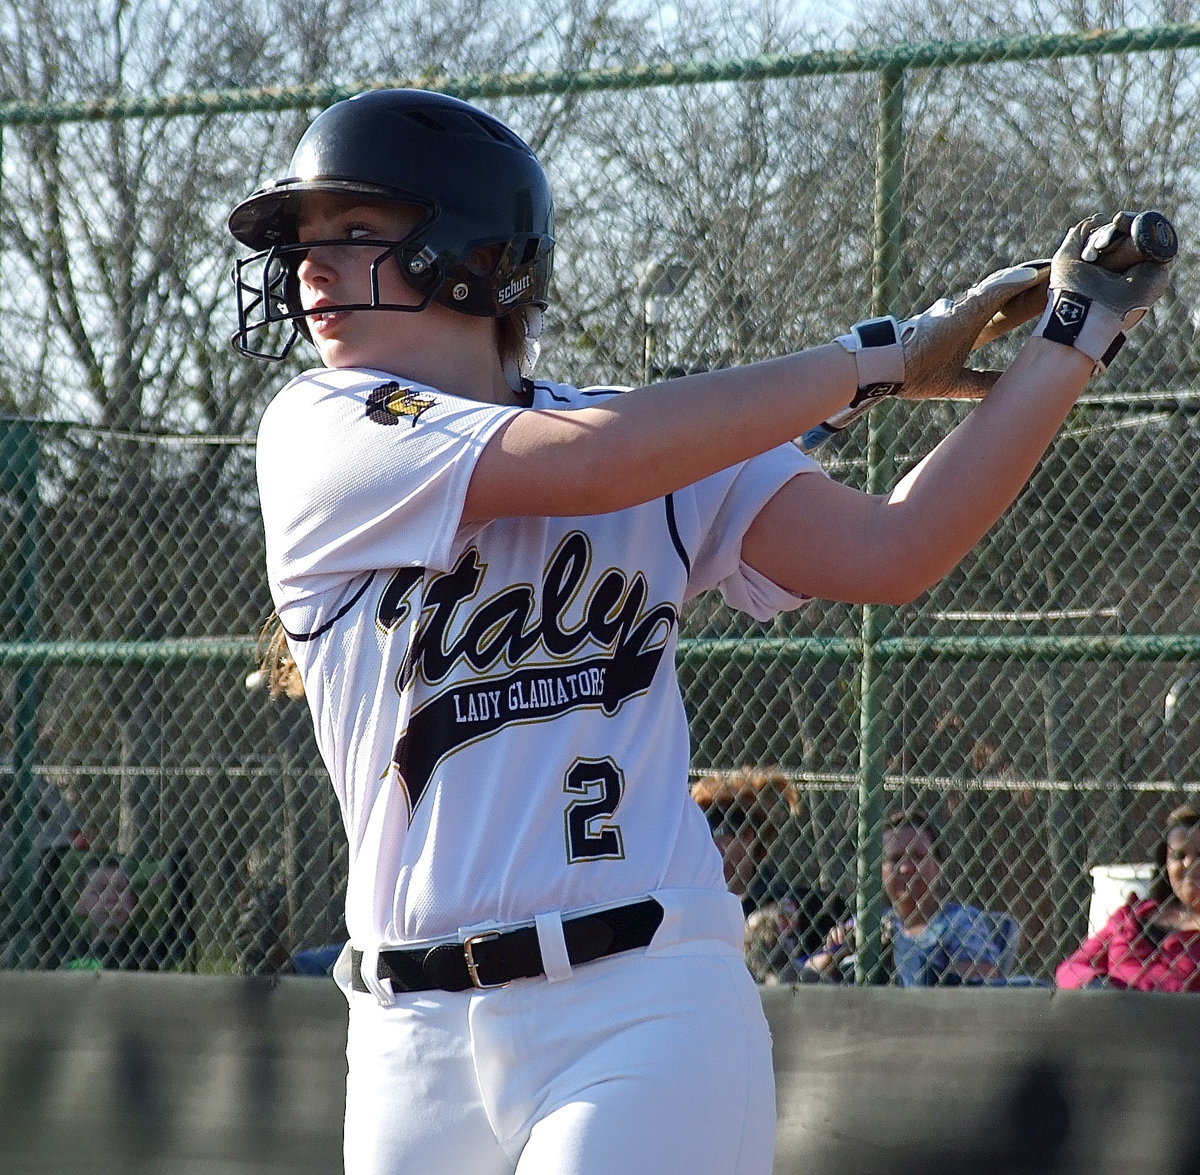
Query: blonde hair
point(275, 661)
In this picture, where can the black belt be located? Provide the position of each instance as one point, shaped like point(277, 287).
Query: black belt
point(493, 959)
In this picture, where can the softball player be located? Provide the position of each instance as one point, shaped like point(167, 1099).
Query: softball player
point(480, 576)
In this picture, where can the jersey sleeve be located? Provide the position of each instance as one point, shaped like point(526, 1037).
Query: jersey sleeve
point(727, 504)
point(358, 471)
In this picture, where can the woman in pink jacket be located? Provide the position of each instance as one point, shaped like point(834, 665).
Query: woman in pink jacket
point(1151, 945)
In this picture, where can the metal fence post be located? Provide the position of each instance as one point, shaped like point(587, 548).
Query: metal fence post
point(18, 477)
point(885, 283)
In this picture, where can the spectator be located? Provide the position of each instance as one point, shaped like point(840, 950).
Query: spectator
point(781, 933)
point(931, 941)
point(108, 932)
point(262, 918)
point(1151, 944)
point(108, 912)
point(56, 834)
point(785, 919)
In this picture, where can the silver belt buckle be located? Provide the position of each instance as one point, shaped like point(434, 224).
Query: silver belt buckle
point(472, 966)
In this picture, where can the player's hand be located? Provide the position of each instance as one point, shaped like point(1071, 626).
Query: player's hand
point(1092, 307)
point(1024, 306)
point(938, 342)
point(1125, 292)
point(924, 356)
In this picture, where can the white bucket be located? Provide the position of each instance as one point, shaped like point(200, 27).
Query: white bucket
point(1111, 887)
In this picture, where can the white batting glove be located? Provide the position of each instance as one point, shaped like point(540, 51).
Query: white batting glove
point(938, 342)
point(924, 356)
point(1092, 308)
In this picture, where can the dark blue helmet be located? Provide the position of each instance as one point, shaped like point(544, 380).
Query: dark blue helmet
point(479, 184)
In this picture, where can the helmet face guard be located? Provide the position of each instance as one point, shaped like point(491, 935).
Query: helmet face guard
point(483, 247)
point(268, 293)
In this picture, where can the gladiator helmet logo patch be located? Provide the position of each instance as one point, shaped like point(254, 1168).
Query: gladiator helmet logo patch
point(390, 401)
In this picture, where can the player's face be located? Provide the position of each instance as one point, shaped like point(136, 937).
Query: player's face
point(340, 274)
point(1183, 865)
point(911, 871)
point(457, 352)
point(739, 856)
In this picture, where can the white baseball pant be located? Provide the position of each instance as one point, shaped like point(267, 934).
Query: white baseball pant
point(652, 1062)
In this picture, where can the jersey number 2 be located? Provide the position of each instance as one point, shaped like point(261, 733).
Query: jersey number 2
point(590, 835)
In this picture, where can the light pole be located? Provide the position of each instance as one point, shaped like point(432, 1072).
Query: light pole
point(658, 281)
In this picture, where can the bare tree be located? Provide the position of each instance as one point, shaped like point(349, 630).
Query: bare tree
point(112, 231)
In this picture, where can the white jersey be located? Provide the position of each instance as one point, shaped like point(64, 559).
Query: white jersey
point(497, 705)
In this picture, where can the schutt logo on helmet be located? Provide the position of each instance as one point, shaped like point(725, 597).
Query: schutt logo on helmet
point(514, 289)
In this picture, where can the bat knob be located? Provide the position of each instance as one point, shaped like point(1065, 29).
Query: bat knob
point(1155, 236)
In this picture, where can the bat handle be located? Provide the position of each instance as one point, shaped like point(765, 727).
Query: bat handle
point(818, 435)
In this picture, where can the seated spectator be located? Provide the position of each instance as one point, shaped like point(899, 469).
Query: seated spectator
point(108, 934)
point(109, 912)
point(260, 933)
point(931, 941)
point(1151, 944)
point(786, 918)
point(57, 832)
point(777, 938)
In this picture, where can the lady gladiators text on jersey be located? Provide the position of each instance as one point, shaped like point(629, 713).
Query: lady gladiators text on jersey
point(606, 652)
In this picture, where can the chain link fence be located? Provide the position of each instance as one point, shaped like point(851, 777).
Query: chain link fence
point(1038, 704)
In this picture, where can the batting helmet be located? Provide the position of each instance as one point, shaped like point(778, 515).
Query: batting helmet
point(478, 184)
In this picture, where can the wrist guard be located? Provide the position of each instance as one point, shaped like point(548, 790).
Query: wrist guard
point(1075, 320)
point(879, 356)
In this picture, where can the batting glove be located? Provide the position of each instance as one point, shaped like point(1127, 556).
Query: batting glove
point(938, 342)
point(1092, 308)
point(924, 356)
